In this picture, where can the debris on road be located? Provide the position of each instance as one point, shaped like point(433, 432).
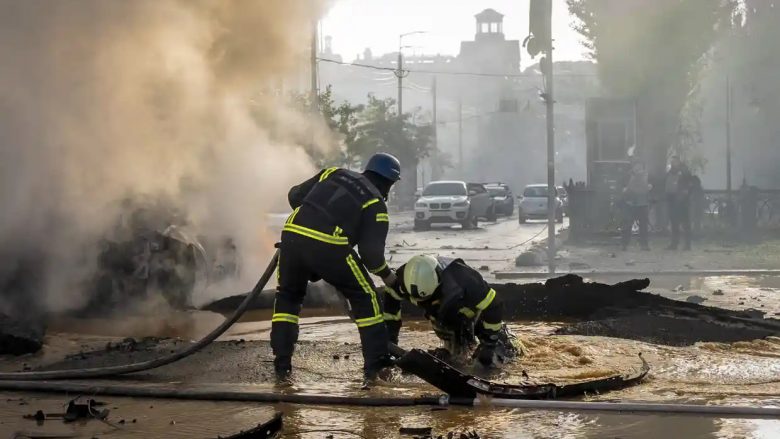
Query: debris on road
point(529, 259)
point(268, 430)
point(416, 431)
point(20, 336)
point(76, 410)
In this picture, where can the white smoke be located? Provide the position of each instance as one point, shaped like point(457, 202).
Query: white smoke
point(100, 99)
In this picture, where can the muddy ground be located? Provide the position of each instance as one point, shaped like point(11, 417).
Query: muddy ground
point(328, 362)
point(739, 364)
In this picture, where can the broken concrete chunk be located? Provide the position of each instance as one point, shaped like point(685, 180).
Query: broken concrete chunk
point(19, 337)
point(528, 259)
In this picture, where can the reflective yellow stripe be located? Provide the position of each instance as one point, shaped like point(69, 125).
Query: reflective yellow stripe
point(370, 202)
point(282, 317)
point(292, 215)
point(467, 312)
point(382, 218)
point(394, 317)
point(487, 300)
point(316, 234)
point(393, 294)
point(492, 326)
point(377, 270)
point(327, 173)
point(338, 231)
point(369, 321)
point(364, 284)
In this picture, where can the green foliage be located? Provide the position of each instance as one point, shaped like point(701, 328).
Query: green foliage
point(364, 130)
point(381, 130)
point(652, 50)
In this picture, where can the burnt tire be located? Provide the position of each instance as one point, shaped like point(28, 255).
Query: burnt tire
point(491, 215)
point(421, 225)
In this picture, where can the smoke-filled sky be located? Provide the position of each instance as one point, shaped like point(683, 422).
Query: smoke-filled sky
point(100, 99)
point(358, 24)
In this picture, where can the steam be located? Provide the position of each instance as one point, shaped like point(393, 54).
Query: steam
point(100, 99)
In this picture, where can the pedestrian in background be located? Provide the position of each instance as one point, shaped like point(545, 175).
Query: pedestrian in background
point(636, 196)
point(678, 198)
point(698, 204)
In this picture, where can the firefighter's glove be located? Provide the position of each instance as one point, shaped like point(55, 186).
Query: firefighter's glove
point(392, 281)
point(485, 354)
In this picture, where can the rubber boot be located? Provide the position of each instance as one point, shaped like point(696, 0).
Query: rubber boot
point(283, 338)
point(376, 356)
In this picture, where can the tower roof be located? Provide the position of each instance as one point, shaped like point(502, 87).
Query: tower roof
point(490, 16)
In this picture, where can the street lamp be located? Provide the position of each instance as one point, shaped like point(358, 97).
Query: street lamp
point(399, 73)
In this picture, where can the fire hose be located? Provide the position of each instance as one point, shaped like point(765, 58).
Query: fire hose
point(34, 381)
point(230, 393)
point(102, 372)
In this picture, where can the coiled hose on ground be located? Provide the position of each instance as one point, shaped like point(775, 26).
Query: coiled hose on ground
point(102, 372)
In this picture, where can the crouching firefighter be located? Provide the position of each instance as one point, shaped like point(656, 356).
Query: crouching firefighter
point(459, 304)
point(333, 212)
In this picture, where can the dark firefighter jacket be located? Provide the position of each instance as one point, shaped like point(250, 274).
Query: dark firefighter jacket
point(461, 295)
point(343, 208)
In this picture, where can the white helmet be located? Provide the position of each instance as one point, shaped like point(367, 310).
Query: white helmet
point(421, 276)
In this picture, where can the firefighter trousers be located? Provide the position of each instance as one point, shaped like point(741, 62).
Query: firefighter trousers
point(303, 259)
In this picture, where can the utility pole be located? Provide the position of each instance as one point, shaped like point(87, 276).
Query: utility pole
point(435, 154)
point(400, 75)
point(407, 196)
point(460, 136)
point(728, 137)
point(540, 26)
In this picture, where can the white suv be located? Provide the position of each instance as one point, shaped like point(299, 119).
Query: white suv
point(453, 202)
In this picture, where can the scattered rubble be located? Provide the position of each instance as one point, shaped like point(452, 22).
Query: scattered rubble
point(529, 259)
point(19, 337)
point(88, 409)
point(696, 299)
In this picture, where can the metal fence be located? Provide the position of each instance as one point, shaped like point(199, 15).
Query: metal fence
point(746, 209)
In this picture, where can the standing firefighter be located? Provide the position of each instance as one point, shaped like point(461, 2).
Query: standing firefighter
point(458, 303)
point(334, 211)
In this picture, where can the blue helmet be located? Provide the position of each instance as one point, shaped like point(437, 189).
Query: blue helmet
point(385, 165)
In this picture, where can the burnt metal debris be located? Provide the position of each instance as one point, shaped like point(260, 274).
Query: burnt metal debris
point(459, 385)
point(267, 430)
point(76, 410)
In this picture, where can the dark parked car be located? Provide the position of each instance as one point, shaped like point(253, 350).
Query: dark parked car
point(502, 197)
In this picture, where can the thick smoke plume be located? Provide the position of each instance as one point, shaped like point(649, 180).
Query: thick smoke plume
point(102, 99)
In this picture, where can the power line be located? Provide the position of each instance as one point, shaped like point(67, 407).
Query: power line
point(452, 73)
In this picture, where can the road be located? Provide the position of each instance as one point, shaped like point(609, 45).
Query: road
point(494, 245)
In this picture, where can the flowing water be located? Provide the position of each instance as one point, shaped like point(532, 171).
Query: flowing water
point(328, 362)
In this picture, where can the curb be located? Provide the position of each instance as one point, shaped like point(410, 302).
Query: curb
point(634, 273)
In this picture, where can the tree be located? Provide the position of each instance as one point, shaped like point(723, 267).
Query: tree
point(381, 130)
point(652, 51)
point(750, 58)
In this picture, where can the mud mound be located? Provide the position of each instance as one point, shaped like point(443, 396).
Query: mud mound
point(623, 310)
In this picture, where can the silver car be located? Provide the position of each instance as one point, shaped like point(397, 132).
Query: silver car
point(533, 203)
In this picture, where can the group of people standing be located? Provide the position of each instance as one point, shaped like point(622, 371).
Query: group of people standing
point(682, 194)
